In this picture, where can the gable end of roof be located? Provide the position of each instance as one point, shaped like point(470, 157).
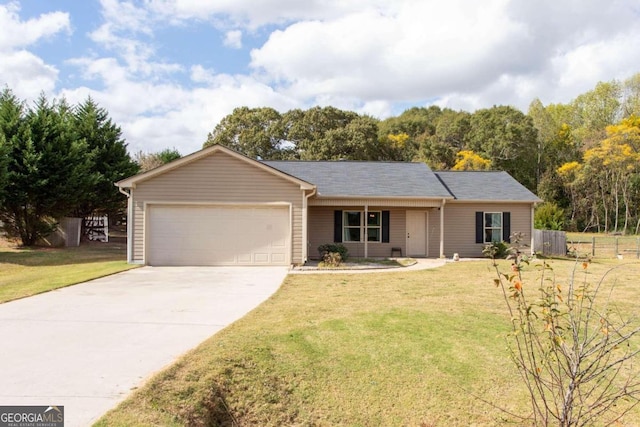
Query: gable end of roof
point(205, 152)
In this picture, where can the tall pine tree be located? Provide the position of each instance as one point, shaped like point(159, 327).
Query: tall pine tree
point(110, 160)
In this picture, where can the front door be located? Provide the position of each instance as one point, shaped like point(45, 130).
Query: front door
point(417, 233)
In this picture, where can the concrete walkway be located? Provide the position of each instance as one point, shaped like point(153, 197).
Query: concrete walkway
point(87, 346)
point(421, 264)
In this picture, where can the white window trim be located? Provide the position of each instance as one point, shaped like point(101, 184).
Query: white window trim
point(346, 226)
point(485, 228)
point(374, 227)
point(363, 227)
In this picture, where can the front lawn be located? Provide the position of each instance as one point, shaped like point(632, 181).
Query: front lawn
point(392, 349)
point(27, 271)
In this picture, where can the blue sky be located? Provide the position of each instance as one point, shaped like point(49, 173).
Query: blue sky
point(169, 70)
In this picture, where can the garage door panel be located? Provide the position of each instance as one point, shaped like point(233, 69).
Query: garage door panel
point(277, 258)
point(262, 258)
point(208, 235)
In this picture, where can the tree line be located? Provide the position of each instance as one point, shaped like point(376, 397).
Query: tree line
point(580, 157)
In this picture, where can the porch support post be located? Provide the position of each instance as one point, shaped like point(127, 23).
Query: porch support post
point(366, 231)
point(305, 237)
point(442, 228)
point(305, 226)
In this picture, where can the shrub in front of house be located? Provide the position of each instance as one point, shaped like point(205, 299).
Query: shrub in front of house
point(331, 259)
point(496, 250)
point(333, 248)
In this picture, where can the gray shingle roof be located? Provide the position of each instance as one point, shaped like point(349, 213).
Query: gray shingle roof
point(366, 179)
point(489, 186)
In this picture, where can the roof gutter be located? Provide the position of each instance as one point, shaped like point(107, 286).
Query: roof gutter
point(437, 198)
point(494, 201)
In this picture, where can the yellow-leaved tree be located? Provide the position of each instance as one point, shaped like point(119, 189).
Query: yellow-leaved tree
point(604, 186)
point(467, 160)
point(398, 141)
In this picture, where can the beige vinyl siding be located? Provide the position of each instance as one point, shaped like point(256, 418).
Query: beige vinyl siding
point(217, 179)
point(321, 231)
point(138, 229)
point(460, 225)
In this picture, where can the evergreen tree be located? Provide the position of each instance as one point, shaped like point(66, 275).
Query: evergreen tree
point(57, 161)
point(107, 152)
point(48, 170)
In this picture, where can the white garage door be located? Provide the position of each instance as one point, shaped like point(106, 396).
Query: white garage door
point(208, 235)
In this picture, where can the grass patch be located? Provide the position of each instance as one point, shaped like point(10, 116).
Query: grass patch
point(29, 271)
point(393, 349)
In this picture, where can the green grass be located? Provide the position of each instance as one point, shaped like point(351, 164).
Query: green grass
point(392, 349)
point(26, 272)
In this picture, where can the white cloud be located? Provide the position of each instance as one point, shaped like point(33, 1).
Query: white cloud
point(199, 74)
point(155, 116)
point(123, 33)
point(233, 39)
point(16, 33)
point(253, 14)
point(411, 52)
point(25, 73)
point(480, 53)
point(125, 15)
point(364, 55)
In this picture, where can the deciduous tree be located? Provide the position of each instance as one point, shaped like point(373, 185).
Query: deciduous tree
point(148, 161)
point(595, 110)
point(469, 161)
point(256, 132)
point(507, 137)
point(631, 96)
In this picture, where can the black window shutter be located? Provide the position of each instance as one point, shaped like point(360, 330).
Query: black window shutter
point(337, 226)
point(479, 227)
point(506, 226)
point(385, 226)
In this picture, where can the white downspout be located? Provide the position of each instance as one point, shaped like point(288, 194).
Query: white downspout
point(442, 228)
point(129, 224)
point(305, 227)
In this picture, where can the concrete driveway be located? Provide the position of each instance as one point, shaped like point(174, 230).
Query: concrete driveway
point(87, 346)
